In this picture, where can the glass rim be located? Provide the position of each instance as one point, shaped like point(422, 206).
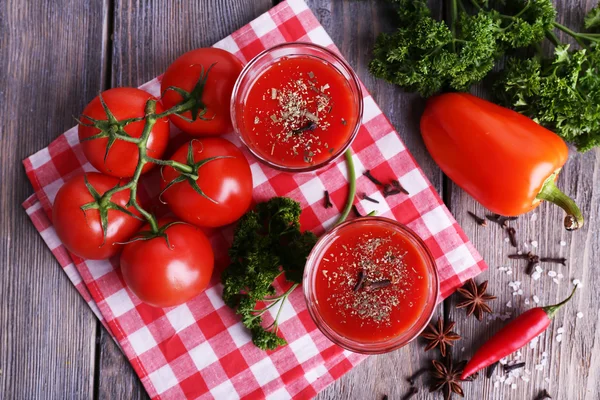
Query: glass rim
point(394, 343)
point(355, 87)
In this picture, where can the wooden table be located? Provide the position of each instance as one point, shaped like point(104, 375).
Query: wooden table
point(56, 55)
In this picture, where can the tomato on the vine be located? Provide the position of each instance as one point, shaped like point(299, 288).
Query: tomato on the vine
point(122, 157)
point(223, 177)
point(81, 230)
point(221, 69)
point(171, 268)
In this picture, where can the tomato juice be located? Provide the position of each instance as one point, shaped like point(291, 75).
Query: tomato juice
point(298, 112)
point(372, 282)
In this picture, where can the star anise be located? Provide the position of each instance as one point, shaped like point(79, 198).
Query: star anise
point(475, 298)
point(446, 378)
point(440, 336)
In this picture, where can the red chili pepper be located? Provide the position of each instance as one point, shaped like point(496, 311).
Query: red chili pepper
point(514, 335)
point(504, 160)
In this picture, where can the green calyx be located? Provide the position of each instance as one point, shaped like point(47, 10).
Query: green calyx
point(189, 172)
point(192, 101)
point(103, 204)
point(551, 310)
point(550, 192)
point(110, 128)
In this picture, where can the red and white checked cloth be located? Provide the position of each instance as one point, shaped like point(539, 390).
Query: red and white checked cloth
point(200, 349)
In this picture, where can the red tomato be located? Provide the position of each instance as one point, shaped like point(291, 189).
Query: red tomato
point(164, 276)
point(81, 231)
point(185, 72)
point(227, 181)
point(122, 159)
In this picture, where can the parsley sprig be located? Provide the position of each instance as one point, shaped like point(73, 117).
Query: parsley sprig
point(561, 92)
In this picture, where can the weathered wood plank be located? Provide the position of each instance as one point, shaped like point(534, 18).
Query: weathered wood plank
point(573, 367)
point(50, 58)
point(147, 37)
point(353, 26)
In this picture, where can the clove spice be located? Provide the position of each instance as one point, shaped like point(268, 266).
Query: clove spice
point(508, 368)
point(328, 203)
point(543, 395)
point(370, 285)
point(357, 213)
point(480, 221)
point(310, 126)
point(360, 281)
point(556, 260)
point(411, 379)
point(500, 219)
point(512, 236)
point(369, 176)
point(413, 391)
point(365, 197)
point(397, 185)
point(491, 369)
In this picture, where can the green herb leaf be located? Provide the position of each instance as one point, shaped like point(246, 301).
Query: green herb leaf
point(267, 242)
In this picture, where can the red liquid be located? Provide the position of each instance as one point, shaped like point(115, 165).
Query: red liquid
point(299, 112)
point(371, 314)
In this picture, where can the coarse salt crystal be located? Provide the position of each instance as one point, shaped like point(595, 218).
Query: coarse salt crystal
point(538, 268)
point(563, 243)
point(539, 367)
point(509, 272)
point(525, 378)
point(526, 301)
point(560, 276)
point(519, 355)
point(555, 281)
point(526, 245)
point(560, 330)
point(503, 361)
point(577, 283)
point(509, 304)
point(551, 274)
point(506, 240)
point(534, 217)
point(534, 244)
point(547, 379)
point(579, 314)
point(559, 338)
point(496, 384)
point(545, 354)
point(513, 386)
point(519, 252)
point(536, 299)
point(502, 269)
point(520, 292)
point(536, 275)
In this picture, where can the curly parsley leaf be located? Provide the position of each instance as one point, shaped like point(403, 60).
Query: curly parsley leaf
point(267, 242)
point(561, 93)
point(428, 56)
point(592, 18)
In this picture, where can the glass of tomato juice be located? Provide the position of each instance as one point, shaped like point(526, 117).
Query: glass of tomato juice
point(297, 106)
point(371, 285)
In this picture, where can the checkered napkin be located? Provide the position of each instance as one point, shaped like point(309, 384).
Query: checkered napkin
point(200, 349)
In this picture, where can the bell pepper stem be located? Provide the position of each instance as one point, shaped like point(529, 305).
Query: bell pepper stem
point(550, 192)
point(551, 310)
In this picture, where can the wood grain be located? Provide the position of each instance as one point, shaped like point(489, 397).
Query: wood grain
point(50, 62)
point(48, 335)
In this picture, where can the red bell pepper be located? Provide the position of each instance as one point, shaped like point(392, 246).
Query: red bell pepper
point(504, 160)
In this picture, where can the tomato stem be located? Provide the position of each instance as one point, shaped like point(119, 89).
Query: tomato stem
point(550, 192)
point(351, 189)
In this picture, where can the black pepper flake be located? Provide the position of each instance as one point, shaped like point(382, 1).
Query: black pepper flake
point(328, 203)
point(310, 126)
point(365, 197)
point(508, 368)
